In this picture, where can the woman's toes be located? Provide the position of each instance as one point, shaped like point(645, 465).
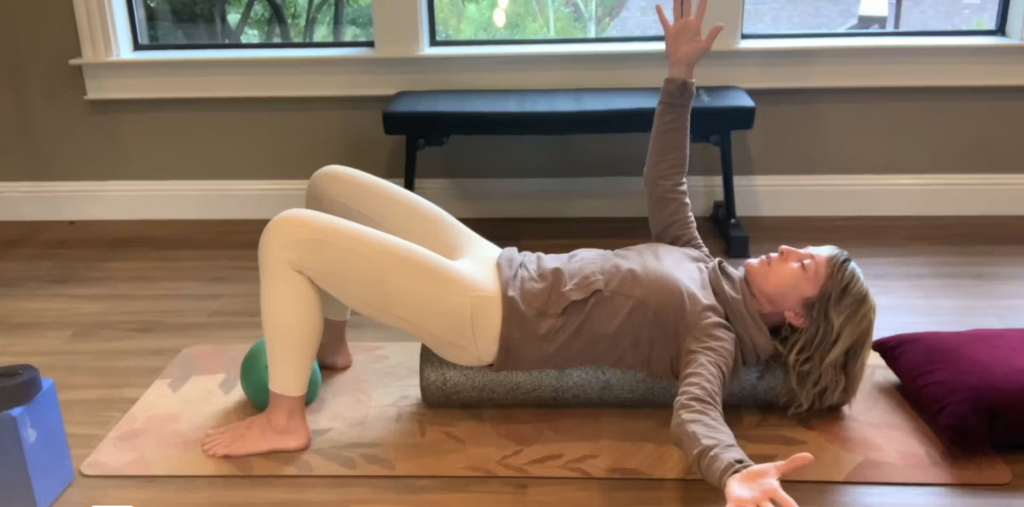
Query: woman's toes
point(210, 444)
point(216, 431)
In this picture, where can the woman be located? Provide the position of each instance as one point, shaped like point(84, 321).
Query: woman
point(667, 308)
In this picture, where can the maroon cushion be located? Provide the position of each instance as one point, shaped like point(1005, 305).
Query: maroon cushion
point(968, 385)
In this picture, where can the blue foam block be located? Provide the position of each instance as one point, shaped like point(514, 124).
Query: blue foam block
point(35, 462)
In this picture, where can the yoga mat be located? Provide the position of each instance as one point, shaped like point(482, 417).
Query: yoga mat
point(370, 421)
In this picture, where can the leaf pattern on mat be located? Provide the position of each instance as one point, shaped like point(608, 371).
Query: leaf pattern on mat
point(512, 454)
point(628, 472)
point(763, 458)
point(243, 465)
point(317, 433)
point(544, 459)
point(578, 470)
point(481, 470)
point(338, 458)
point(404, 400)
point(513, 468)
point(733, 417)
point(303, 466)
point(581, 459)
point(775, 420)
point(282, 458)
point(230, 381)
point(453, 437)
point(935, 458)
point(444, 424)
point(357, 446)
point(772, 439)
point(475, 414)
point(378, 461)
point(182, 374)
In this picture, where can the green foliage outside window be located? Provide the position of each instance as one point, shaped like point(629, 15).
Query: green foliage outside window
point(212, 22)
point(215, 22)
point(523, 19)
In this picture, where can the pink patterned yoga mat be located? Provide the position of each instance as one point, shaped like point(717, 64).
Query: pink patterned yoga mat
point(369, 421)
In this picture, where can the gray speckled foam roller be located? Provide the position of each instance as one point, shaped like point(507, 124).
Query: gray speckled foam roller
point(445, 384)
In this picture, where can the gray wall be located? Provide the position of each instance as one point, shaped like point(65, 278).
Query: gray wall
point(49, 133)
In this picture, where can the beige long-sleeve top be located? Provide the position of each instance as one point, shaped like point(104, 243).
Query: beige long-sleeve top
point(667, 308)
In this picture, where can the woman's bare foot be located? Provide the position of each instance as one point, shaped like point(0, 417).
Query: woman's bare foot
point(334, 352)
point(282, 427)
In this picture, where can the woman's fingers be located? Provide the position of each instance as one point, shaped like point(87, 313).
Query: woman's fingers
point(702, 9)
point(713, 34)
point(795, 461)
point(784, 499)
point(765, 504)
point(685, 8)
point(665, 25)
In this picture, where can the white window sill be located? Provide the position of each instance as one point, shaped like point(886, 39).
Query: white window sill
point(776, 44)
point(579, 49)
point(872, 43)
point(230, 55)
point(853, 62)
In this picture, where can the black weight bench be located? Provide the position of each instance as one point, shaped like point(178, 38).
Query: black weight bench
point(430, 118)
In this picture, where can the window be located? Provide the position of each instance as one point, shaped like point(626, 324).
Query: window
point(198, 24)
point(149, 49)
point(773, 18)
point(540, 21)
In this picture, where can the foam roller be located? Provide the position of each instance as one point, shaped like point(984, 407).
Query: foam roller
point(445, 384)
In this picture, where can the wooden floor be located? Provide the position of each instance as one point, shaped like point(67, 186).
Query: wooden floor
point(103, 307)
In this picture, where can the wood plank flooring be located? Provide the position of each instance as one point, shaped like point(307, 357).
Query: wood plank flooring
point(102, 307)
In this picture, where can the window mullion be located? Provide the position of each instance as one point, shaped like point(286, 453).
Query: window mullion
point(121, 26)
point(95, 29)
point(1015, 20)
point(399, 27)
point(730, 14)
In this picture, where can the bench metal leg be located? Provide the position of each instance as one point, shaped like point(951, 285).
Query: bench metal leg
point(412, 146)
point(723, 213)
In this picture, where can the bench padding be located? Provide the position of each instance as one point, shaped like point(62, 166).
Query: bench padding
point(557, 112)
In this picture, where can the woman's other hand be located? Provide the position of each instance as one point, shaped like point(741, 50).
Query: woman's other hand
point(685, 43)
point(758, 485)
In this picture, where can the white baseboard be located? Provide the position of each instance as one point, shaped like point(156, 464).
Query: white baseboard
point(860, 195)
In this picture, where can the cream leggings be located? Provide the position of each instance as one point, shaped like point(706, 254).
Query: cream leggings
point(367, 244)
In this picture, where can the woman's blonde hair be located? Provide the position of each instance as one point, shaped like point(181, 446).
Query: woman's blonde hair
point(824, 361)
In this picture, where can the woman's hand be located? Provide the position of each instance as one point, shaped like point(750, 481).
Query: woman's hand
point(684, 43)
point(758, 485)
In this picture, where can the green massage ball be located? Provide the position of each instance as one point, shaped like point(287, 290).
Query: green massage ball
point(254, 377)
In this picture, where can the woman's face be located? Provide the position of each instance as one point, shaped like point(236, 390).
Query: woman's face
point(783, 280)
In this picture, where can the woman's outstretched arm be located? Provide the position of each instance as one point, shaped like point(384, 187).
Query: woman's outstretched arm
point(698, 422)
point(700, 430)
point(668, 202)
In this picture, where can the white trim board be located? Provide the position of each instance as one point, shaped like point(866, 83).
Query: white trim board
point(952, 62)
point(855, 195)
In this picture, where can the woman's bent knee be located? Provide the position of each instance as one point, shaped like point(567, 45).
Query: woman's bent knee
point(285, 225)
point(325, 178)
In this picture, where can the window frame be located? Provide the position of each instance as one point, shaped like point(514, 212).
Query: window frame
point(435, 42)
point(139, 46)
point(999, 30)
point(402, 58)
